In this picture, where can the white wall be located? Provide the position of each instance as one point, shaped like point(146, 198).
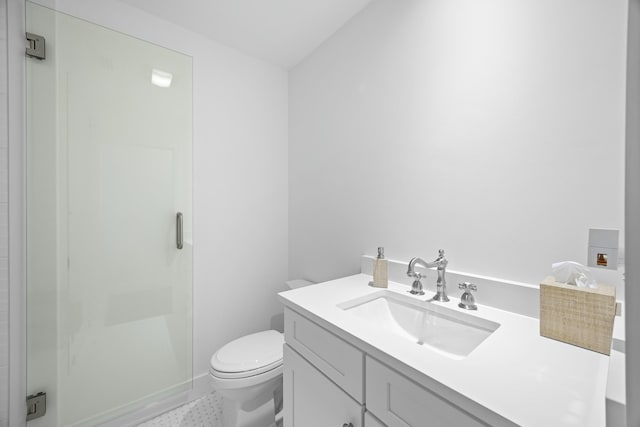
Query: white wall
point(493, 130)
point(632, 216)
point(240, 176)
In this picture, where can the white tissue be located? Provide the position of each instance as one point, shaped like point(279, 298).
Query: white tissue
point(573, 273)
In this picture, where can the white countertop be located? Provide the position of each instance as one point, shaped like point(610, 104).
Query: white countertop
point(523, 377)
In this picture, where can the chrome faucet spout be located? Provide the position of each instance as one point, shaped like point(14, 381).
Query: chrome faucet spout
point(440, 264)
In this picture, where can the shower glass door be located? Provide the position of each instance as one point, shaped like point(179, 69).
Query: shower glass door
point(109, 261)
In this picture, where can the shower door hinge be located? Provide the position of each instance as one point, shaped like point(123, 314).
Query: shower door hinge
point(35, 46)
point(36, 405)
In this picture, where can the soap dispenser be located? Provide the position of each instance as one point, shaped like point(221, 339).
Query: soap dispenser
point(380, 274)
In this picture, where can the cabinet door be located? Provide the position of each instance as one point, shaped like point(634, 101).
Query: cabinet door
point(312, 400)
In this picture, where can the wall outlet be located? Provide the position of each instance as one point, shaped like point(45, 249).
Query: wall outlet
point(603, 248)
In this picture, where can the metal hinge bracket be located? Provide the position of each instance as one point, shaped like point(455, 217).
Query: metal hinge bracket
point(35, 46)
point(36, 405)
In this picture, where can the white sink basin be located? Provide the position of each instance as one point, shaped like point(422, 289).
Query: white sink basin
point(448, 331)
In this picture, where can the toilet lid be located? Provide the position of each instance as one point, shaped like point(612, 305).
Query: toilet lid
point(249, 353)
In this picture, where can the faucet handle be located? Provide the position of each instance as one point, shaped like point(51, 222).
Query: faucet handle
point(416, 287)
point(467, 301)
point(467, 285)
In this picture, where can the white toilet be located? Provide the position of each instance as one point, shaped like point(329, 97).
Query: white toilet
point(247, 372)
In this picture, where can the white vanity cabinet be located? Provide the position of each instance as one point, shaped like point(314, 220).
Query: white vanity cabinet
point(354, 354)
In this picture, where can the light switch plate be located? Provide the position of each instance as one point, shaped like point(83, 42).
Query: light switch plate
point(603, 248)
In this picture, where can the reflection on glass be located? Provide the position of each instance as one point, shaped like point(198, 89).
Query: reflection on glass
point(161, 78)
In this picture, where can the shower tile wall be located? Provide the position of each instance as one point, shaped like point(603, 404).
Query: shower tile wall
point(4, 237)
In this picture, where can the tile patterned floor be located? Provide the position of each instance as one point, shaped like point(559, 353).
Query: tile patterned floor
point(204, 412)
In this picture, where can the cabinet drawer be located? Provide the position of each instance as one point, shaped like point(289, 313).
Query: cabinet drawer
point(399, 402)
point(335, 358)
point(312, 400)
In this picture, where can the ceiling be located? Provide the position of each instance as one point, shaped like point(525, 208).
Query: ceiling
point(282, 32)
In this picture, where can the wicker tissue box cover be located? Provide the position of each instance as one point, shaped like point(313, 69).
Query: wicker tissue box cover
point(578, 316)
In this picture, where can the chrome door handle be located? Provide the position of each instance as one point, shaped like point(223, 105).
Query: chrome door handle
point(179, 239)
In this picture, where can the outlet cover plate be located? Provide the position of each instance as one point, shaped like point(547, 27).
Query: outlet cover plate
point(603, 248)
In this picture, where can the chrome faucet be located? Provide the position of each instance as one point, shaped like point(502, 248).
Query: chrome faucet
point(441, 264)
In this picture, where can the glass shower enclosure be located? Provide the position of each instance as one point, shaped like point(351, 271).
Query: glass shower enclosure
point(109, 237)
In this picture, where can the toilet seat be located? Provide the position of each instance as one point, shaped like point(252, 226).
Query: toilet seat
point(245, 374)
point(243, 382)
point(248, 356)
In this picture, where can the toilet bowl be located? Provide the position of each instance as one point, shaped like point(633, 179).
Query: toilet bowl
point(247, 372)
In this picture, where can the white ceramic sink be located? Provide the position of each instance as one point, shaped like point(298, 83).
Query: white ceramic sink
point(429, 324)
